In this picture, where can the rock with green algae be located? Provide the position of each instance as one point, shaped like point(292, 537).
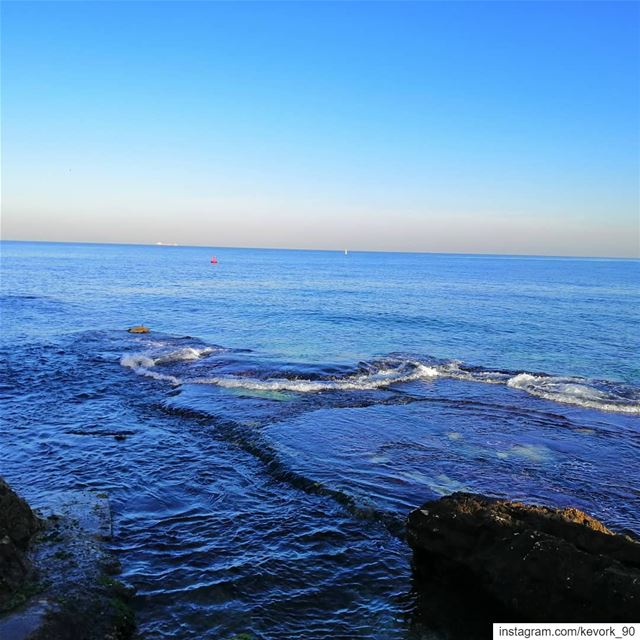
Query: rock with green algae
point(71, 594)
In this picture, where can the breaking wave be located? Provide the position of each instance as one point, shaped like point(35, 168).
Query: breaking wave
point(383, 378)
point(143, 363)
point(575, 391)
point(378, 374)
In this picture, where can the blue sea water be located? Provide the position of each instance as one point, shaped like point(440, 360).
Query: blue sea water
point(289, 408)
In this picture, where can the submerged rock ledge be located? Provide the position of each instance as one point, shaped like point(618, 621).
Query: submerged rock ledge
point(538, 563)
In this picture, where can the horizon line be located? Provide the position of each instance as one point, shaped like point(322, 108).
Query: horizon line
point(334, 250)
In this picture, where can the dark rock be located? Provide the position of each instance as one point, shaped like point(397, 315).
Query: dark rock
point(17, 520)
point(14, 569)
point(542, 564)
point(17, 524)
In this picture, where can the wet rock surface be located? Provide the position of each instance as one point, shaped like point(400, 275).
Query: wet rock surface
point(68, 590)
point(535, 563)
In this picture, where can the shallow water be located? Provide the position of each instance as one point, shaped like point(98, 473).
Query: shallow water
point(290, 408)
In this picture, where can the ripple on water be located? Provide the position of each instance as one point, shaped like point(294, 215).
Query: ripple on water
point(269, 510)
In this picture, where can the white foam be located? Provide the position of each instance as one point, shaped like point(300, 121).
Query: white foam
point(452, 370)
point(149, 359)
point(181, 355)
point(572, 391)
point(158, 376)
point(143, 363)
point(136, 361)
point(363, 382)
point(577, 391)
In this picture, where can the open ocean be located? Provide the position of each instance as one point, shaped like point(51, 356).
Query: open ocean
point(289, 408)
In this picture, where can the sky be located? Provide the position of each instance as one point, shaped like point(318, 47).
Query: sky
point(479, 127)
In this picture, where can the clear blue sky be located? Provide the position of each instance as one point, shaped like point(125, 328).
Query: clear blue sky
point(472, 127)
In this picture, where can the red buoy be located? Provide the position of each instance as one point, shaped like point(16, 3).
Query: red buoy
point(214, 260)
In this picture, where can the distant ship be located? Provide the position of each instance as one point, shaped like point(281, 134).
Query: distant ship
point(346, 252)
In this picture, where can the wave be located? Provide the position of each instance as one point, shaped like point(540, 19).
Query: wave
point(383, 373)
point(143, 363)
point(407, 372)
point(184, 354)
point(547, 387)
point(574, 391)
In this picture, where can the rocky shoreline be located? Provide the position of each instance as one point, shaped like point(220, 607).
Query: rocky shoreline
point(57, 574)
point(530, 563)
point(476, 560)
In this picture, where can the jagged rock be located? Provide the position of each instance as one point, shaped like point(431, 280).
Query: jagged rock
point(17, 524)
point(139, 329)
point(542, 564)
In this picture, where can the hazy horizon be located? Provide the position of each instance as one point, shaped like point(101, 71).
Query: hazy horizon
point(483, 128)
point(327, 250)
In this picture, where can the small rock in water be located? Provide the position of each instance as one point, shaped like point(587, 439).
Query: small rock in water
point(139, 329)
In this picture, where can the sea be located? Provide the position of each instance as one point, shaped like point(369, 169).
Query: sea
point(262, 445)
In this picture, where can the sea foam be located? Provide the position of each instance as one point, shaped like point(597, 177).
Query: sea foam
point(395, 370)
point(376, 380)
point(576, 391)
point(143, 363)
